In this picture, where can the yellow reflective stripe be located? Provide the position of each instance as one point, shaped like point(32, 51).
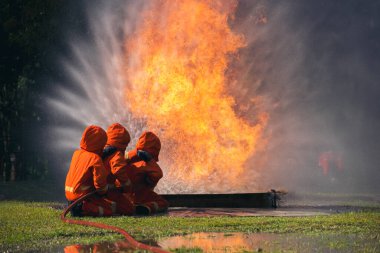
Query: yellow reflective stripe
point(126, 156)
point(101, 211)
point(82, 188)
point(85, 187)
point(127, 183)
point(69, 189)
point(155, 205)
point(113, 207)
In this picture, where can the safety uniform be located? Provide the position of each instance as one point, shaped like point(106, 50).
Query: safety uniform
point(145, 175)
point(117, 179)
point(87, 174)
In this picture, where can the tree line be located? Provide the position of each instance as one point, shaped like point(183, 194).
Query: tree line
point(29, 29)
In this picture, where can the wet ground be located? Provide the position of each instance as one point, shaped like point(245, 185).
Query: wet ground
point(291, 205)
point(242, 242)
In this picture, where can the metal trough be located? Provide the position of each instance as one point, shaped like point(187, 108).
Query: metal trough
point(233, 200)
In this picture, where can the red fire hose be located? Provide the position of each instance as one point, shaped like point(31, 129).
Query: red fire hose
point(132, 242)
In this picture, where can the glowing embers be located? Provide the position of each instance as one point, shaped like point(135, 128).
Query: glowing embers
point(176, 74)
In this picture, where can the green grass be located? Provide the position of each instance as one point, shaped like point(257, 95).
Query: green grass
point(36, 225)
point(187, 250)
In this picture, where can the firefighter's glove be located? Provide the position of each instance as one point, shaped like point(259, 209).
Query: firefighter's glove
point(107, 151)
point(145, 156)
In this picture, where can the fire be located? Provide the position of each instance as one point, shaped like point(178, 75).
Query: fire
point(177, 59)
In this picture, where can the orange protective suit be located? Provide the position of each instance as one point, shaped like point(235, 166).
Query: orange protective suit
point(119, 138)
point(118, 180)
point(145, 175)
point(87, 173)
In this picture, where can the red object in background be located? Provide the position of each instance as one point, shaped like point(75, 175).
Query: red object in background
point(329, 160)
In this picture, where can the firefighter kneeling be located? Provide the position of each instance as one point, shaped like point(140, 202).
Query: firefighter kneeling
point(87, 174)
point(124, 187)
point(144, 173)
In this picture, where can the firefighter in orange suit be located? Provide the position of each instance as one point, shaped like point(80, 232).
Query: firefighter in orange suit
point(144, 173)
point(87, 174)
point(118, 181)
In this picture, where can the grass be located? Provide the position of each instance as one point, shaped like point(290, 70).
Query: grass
point(187, 250)
point(36, 226)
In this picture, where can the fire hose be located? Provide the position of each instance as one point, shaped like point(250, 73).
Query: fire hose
point(131, 241)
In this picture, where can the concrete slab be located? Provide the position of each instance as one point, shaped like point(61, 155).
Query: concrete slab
point(246, 212)
point(295, 210)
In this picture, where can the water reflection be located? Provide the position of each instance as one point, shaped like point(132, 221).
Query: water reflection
point(218, 242)
point(208, 242)
point(243, 242)
point(105, 247)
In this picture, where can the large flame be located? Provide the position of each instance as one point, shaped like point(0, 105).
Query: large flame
point(177, 60)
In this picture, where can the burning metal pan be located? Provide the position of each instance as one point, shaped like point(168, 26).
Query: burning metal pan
point(237, 200)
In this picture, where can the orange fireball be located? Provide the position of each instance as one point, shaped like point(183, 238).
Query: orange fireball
point(176, 64)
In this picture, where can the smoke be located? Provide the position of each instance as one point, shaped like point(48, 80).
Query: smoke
point(310, 65)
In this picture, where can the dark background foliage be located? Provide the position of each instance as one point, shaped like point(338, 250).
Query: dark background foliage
point(29, 31)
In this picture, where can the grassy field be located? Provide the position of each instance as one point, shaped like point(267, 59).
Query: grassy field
point(36, 226)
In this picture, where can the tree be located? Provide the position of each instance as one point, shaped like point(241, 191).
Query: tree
point(28, 29)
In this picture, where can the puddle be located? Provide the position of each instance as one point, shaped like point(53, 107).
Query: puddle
point(104, 247)
point(241, 242)
point(265, 242)
point(218, 242)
